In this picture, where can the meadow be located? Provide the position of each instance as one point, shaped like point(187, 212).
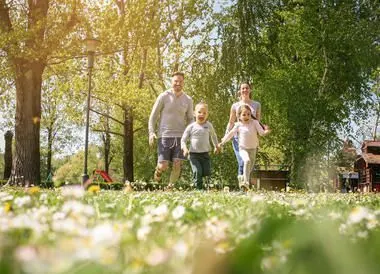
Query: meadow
point(69, 230)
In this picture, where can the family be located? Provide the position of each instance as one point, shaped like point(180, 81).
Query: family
point(173, 111)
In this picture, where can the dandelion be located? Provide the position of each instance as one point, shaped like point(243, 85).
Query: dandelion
point(104, 235)
point(362, 234)
point(43, 197)
point(142, 232)
point(216, 229)
point(22, 201)
point(181, 249)
point(75, 192)
point(223, 247)
point(178, 212)
point(161, 210)
point(257, 198)
point(157, 257)
point(334, 215)
point(7, 207)
point(93, 189)
point(26, 253)
point(33, 190)
point(357, 215)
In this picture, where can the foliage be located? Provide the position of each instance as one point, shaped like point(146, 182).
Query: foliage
point(310, 63)
point(71, 172)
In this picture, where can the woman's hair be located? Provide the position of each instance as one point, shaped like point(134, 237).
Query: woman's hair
point(247, 107)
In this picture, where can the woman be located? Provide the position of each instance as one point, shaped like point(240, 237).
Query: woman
point(244, 98)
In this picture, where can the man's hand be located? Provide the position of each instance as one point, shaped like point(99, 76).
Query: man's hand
point(185, 151)
point(152, 137)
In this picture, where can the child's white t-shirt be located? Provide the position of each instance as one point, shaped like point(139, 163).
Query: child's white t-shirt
point(247, 133)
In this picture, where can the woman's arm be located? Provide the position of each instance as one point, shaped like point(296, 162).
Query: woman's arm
point(231, 120)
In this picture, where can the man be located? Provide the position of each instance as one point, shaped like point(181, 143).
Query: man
point(173, 110)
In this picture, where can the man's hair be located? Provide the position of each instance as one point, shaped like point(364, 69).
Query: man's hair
point(179, 73)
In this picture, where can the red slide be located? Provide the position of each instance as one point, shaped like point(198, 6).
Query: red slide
point(104, 175)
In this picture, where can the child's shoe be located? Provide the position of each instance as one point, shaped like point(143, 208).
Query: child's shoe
point(244, 186)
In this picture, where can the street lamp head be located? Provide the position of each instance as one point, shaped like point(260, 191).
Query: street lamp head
point(92, 44)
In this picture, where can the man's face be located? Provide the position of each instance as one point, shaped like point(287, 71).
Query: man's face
point(177, 83)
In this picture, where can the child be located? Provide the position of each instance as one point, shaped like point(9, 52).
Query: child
point(199, 133)
point(247, 129)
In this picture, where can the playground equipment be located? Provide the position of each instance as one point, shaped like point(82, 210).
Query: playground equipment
point(368, 167)
point(98, 173)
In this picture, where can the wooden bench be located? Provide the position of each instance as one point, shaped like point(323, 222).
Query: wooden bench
point(271, 179)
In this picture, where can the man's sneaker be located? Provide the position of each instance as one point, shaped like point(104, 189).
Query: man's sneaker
point(240, 179)
point(157, 174)
point(244, 187)
point(170, 187)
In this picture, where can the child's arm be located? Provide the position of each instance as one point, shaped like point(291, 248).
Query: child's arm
point(229, 135)
point(214, 139)
point(185, 136)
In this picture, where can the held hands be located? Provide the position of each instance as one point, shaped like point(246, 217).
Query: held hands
point(152, 137)
point(217, 149)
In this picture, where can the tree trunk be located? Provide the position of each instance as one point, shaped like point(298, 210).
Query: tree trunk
point(49, 152)
point(8, 136)
point(26, 165)
point(107, 145)
point(128, 145)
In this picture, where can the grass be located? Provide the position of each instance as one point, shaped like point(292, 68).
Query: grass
point(69, 230)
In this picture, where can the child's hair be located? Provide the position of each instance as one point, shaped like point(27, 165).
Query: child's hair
point(247, 107)
point(203, 104)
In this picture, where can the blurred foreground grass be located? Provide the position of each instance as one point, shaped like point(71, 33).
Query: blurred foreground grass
point(68, 230)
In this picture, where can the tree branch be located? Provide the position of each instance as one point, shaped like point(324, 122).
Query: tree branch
point(106, 115)
point(105, 131)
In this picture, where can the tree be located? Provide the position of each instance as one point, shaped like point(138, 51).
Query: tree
point(31, 31)
point(310, 61)
point(8, 154)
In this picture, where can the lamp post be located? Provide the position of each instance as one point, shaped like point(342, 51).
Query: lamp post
point(91, 45)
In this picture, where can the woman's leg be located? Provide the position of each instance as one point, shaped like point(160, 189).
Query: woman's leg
point(235, 146)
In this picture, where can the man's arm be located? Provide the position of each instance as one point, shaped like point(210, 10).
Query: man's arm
point(155, 113)
point(189, 113)
point(184, 139)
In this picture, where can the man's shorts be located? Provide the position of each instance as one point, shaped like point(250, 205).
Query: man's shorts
point(169, 149)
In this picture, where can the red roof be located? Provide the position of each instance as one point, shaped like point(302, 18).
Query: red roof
point(371, 143)
point(370, 158)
